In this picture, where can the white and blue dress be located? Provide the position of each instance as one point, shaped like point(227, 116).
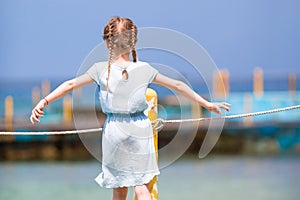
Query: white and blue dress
point(128, 153)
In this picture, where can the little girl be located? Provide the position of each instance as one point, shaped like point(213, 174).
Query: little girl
point(127, 142)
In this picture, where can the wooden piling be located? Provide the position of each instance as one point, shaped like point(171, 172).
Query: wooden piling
point(67, 110)
point(248, 107)
point(221, 83)
point(9, 113)
point(45, 91)
point(292, 83)
point(258, 82)
point(152, 115)
point(45, 88)
point(225, 80)
point(36, 95)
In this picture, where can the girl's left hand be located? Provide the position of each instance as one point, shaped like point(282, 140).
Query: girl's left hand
point(37, 111)
point(216, 107)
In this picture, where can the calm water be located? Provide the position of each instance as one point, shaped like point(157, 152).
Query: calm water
point(213, 178)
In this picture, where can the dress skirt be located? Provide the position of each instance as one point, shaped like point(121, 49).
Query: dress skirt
point(128, 153)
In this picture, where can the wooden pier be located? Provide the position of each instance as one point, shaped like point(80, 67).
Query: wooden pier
point(234, 132)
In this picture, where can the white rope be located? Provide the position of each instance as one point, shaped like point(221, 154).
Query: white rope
point(158, 123)
point(94, 130)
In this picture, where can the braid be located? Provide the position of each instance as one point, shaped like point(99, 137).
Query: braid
point(133, 42)
point(120, 35)
point(133, 52)
point(110, 47)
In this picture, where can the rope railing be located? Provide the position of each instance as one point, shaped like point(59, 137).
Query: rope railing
point(158, 123)
point(93, 130)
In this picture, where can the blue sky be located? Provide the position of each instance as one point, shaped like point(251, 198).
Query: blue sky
point(50, 39)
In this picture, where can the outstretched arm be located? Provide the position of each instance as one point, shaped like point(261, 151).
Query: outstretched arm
point(184, 89)
point(59, 92)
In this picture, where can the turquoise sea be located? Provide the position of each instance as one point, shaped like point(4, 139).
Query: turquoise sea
point(213, 178)
point(21, 91)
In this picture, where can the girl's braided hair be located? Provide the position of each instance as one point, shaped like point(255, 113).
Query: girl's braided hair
point(121, 37)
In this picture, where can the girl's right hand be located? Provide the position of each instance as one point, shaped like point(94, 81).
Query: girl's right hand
point(216, 107)
point(37, 111)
